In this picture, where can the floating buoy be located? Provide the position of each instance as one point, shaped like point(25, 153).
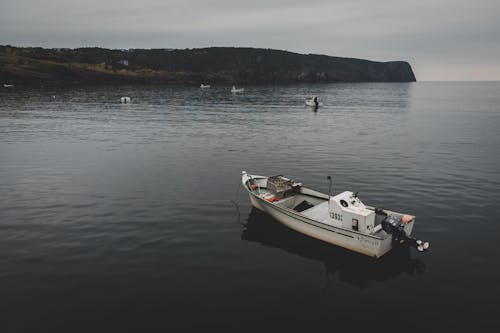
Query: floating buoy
point(125, 100)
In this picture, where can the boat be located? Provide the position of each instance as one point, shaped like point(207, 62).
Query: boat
point(237, 90)
point(6, 85)
point(204, 86)
point(341, 219)
point(124, 100)
point(313, 101)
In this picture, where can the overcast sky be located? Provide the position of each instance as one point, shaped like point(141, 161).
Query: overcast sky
point(442, 39)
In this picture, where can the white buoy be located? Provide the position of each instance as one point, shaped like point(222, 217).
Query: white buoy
point(125, 100)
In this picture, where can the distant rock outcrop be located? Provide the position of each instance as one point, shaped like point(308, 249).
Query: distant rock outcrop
point(218, 65)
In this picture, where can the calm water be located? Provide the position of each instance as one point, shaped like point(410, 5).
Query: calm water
point(119, 217)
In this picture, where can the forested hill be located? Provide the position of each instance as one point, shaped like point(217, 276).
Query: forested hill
point(215, 65)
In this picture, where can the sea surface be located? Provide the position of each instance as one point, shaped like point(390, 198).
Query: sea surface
point(117, 218)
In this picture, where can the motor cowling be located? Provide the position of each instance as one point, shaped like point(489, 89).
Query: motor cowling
point(395, 225)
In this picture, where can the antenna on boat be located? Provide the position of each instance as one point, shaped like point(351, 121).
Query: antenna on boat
point(329, 186)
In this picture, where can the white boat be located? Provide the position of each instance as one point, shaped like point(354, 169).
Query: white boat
point(204, 86)
point(313, 101)
point(6, 85)
point(125, 100)
point(237, 90)
point(341, 219)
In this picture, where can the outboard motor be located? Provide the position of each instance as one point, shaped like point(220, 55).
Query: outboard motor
point(395, 225)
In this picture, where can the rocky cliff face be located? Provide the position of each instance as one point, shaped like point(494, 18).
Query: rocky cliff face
point(190, 66)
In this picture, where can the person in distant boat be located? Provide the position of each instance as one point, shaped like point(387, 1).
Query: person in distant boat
point(316, 103)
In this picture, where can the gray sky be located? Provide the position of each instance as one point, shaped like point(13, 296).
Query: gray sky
point(442, 39)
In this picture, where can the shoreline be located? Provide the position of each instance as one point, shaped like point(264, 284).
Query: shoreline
point(217, 66)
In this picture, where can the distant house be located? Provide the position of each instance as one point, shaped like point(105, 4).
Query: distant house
point(122, 62)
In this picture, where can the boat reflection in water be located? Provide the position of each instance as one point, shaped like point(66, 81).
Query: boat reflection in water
point(352, 268)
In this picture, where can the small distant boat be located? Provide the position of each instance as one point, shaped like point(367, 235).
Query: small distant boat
point(237, 90)
point(313, 101)
point(340, 219)
point(125, 100)
point(204, 86)
point(6, 85)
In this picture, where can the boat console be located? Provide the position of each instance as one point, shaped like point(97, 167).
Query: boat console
point(348, 211)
